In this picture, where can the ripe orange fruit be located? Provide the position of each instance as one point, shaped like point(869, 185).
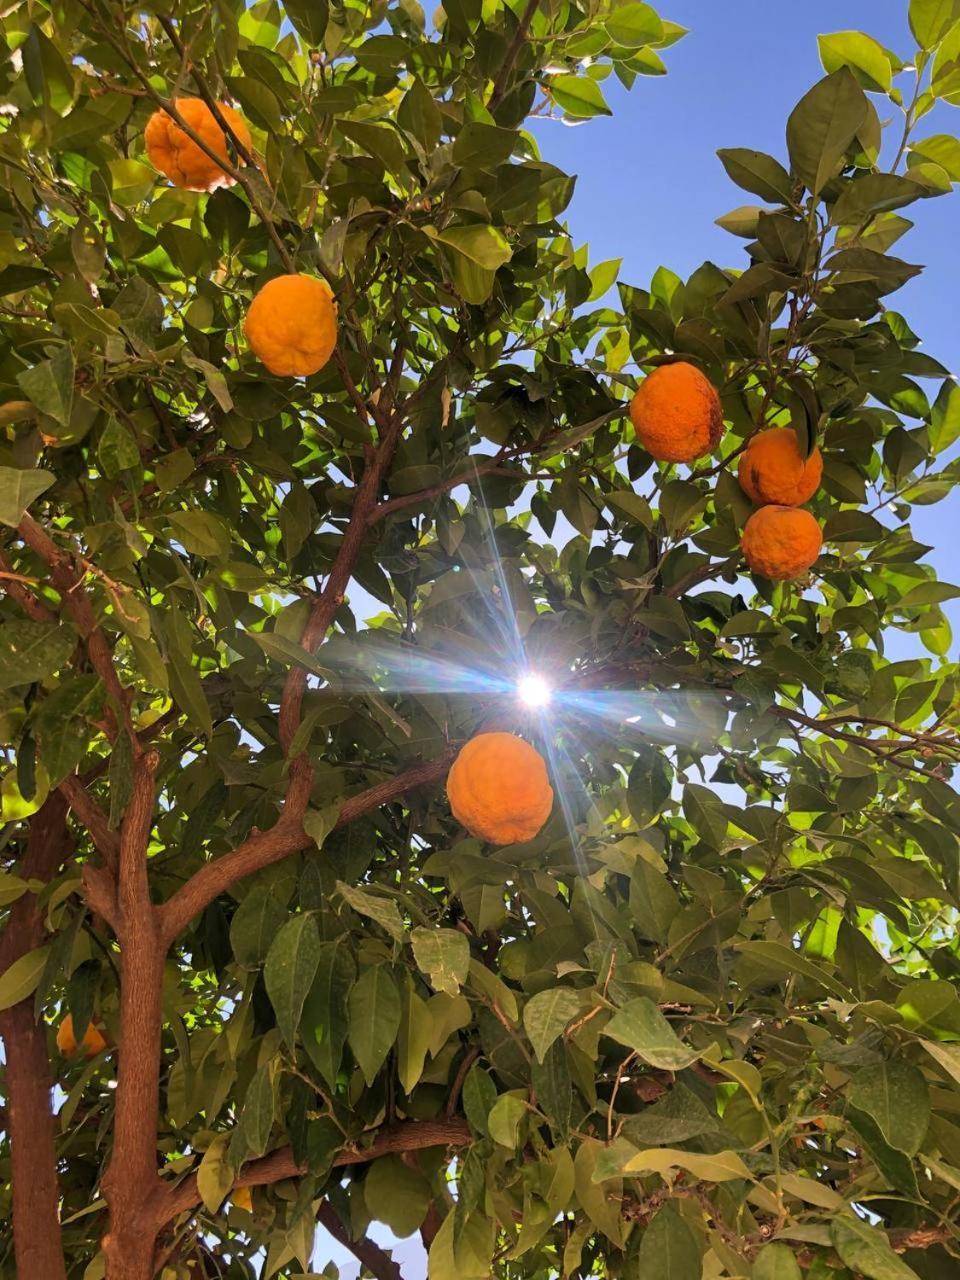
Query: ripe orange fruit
point(179, 158)
point(292, 325)
point(243, 1199)
point(772, 469)
point(781, 542)
point(499, 790)
point(93, 1041)
point(676, 413)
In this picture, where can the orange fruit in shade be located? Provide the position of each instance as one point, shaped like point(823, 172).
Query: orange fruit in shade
point(179, 158)
point(292, 325)
point(243, 1199)
point(499, 789)
point(781, 542)
point(93, 1041)
point(676, 413)
point(772, 469)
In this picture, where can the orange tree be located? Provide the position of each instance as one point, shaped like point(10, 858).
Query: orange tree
point(702, 1020)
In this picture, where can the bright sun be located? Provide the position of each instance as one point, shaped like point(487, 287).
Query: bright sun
point(533, 690)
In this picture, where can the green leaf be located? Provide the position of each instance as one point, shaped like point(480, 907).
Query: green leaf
point(256, 1119)
point(547, 1015)
point(50, 385)
point(290, 969)
point(215, 1174)
point(776, 1262)
point(947, 1055)
point(642, 1027)
point(867, 59)
point(18, 489)
point(185, 683)
point(649, 784)
point(413, 1038)
point(944, 427)
point(419, 116)
point(384, 911)
point(479, 1095)
point(870, 194)
point(943, 149)
point(599, 1201)
point(12, 888)
point(202, 818)
point(931, 19)
point(444, 954)
point(255, 925)
point(31, 651)
point(318, 823)
point(633, 25)
point(200, 533)
point(823, 126)
point(722, 1166)
point(117, 451)
point(481, 244)
point(374, 1011)
point(669, 1250)
point(505, 1118)
point(323, 1024)
point(866, 1251)
point(758, 173)
point(21, 979)
point(895, 1094)
point(579, 96)
point(310, 18)
point(173, 469)
point(397, 1194)
point(783, 961)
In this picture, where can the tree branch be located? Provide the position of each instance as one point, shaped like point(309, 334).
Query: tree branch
point(374, 1259)
point(93, 818)
point(285, 837)
point(410, 1135)
point(701, 574)
point(510, 57)
point(131, 1183)
point(36, 1218)
point(67, 581)
point(13, 584)
point(331, 597)
point(495, 468)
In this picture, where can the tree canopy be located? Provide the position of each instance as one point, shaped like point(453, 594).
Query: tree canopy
point(706, 1022)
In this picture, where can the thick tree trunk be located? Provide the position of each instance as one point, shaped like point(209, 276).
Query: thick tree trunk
point(131, 1185)
point(36, 1218)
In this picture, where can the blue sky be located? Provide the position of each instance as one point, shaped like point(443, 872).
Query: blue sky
point(650, 185)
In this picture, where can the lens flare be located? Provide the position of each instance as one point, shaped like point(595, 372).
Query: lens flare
point(533, 690)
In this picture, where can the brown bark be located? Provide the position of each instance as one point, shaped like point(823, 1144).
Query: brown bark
point(68, 580)
point(411, 1135)
point(131, 1185)
point(331, 597)
point(285, 837)
point(36, 1220)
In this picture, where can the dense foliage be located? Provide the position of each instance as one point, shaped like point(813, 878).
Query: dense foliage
point(706, 1024)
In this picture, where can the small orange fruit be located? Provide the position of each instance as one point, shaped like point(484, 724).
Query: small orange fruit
point(781, 542)
point(499, 790)
point(179, 158)
point(292, 325)
point(93, 1041)
point(243, 1199)
point(772, 469)
point(676, 413)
